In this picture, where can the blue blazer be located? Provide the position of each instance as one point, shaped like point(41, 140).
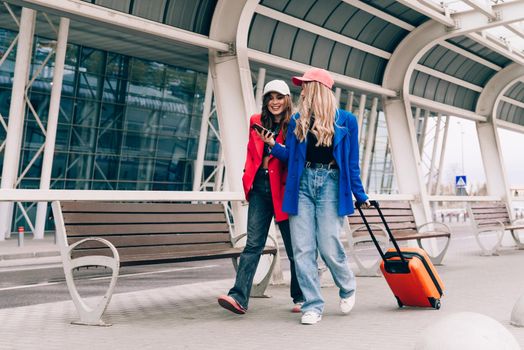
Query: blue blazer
point(345, 152)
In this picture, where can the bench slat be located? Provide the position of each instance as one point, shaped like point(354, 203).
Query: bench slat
point(491, 216)
point(151, 240)
point(173, 252)
point(377, 220)
point(98, 207)
point(386, 212)
point(487, 205)
point(103, 218)
point(164, 258)
point(82, 230)
point(394, 225)
point(490, 211)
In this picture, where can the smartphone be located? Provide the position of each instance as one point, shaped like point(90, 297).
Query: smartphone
point(259, 128)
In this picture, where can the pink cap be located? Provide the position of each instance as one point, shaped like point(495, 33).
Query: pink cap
point(315, 74)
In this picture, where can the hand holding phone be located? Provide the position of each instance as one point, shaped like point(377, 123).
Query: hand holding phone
point(265, 134)
point(260, 128)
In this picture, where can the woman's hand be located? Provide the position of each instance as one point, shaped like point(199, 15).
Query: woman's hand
point(267, 136)
point(366, 204)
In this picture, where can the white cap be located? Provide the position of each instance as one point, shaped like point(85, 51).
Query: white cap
point(279, 86)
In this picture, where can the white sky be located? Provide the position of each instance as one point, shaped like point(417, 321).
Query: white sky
point(512, 144)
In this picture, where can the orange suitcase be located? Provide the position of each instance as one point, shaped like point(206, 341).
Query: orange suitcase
point(409, 272)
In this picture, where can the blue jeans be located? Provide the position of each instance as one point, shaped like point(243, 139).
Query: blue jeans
point(259, 216)
point(317, 227)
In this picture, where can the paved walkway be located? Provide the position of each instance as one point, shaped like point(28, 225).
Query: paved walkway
point(188, 317)
point(32, 251)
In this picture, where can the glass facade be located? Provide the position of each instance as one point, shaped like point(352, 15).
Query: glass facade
point(124, 123)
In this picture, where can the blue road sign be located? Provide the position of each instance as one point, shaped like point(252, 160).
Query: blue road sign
point(460, 181)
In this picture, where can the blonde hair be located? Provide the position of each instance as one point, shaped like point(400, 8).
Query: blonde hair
point(319, 101)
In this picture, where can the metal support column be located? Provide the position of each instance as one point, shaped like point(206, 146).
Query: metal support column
point(261, 80)
point(494, 167)
point(417, 120)
point(422, 138)
point(15, 127)
point(370, 142)
point(338, 93)
point(349, 104)
point(52, 123)
point(202, 138)
point(442, 156)
point(361, 110)
point(432, 168)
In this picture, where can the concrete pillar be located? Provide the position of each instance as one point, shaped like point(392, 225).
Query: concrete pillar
point(487, 103)
point(234, 97)
point(15, 127)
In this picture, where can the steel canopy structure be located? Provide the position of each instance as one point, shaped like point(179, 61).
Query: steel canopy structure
point(407, 60)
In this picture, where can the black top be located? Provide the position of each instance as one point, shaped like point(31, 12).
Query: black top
point(320, 154)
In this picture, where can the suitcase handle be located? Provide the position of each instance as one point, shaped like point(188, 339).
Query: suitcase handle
point(377, 206)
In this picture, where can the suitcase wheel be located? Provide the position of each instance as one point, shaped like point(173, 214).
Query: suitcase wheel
point(399, 302)
point(435, 303)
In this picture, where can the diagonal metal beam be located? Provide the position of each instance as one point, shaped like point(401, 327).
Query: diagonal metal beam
point(428, 11)
point(470, 55)
point(498, 46)
point(482, 6)
point(474, 21)
point(380, 14)
point(516, 29)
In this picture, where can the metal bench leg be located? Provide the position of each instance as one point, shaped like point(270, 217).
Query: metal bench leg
point(372, 270)
point(91, 316)
point(516, 238)
point(437, 259)
point(487, 251)
point(258, 289)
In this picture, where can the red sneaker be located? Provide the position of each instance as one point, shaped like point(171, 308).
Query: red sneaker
point(297, 308)
point(231, 304)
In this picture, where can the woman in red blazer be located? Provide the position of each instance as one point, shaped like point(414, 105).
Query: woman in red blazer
point(264, 181)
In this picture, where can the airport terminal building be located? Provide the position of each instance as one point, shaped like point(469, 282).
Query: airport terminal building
point(155, 95)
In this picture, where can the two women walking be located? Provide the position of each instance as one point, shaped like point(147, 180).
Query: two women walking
point(321, 152)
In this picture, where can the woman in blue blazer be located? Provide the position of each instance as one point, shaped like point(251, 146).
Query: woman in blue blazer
point(323, 172)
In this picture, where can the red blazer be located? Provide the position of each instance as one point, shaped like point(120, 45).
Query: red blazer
point(277, 169)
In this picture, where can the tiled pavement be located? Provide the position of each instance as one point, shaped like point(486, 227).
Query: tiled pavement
point(188, 317)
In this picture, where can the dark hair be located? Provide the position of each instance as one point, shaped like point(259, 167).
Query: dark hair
point(267, 116)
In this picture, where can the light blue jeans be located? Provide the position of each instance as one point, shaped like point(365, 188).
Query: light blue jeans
point(317, 227)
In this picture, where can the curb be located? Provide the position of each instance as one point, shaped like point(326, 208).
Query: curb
point(29, 255)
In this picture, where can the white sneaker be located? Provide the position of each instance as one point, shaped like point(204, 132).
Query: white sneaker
point(310, 317)
point(346, 304)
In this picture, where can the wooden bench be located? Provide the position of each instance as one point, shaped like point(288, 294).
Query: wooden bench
point(493, 217)
point(399, 216)
point(118, 234)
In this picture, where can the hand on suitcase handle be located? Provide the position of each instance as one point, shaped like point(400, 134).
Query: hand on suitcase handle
point(367, 204)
